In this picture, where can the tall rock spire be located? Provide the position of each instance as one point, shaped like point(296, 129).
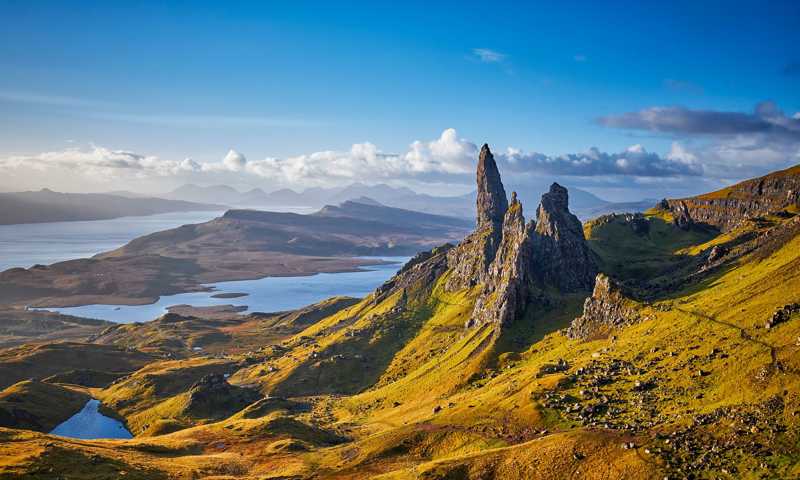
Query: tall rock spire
point(492, 202)
point(470, 260)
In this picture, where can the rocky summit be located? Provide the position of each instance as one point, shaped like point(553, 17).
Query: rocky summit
point(492, 201)
point(471, 259)
point(530, 259)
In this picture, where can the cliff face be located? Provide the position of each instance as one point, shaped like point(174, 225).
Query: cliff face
point(471, 259)
point(514, 261)
point(562, 257)
point(507, 285)
point(492, 202)
point(727, 208)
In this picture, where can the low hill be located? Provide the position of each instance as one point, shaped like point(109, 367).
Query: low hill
point(348, 229)
point(40, 361)
point(48, 206)
point(240, 245)
point(34, 405)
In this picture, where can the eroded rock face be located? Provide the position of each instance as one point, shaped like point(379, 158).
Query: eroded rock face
point(470, 260)
point(729, 207)
point(508, 283)
point(492, 202)
point(561, 256)
point(606, 310)
point(514, 262)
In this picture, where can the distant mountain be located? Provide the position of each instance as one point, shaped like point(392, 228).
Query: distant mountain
point(240, 245)
point(49, 206)
point(585, 205)
point(374, 211)
point(220, 194)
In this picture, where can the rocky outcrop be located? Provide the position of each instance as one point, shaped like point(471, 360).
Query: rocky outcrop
point(515, 262)
point(213, 397)
point(783, 314)
point(561, 256)
point(729, 207)
point(507, 287)
point(423, 269)
point(550, 252)
point(469, 262)
point(607, 309)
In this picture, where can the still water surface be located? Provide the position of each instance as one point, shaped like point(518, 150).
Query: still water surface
point(89, 424)
point(45, 243)
point(271, 294)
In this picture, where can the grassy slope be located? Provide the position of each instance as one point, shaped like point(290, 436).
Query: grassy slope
point(40, 361)
point(38, 406)
point(425, 398)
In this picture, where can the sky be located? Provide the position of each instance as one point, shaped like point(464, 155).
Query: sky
point(628, 100)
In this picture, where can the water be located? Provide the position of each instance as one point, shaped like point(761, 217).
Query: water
point(90, 424)
point(271, 294)
point(45, 243)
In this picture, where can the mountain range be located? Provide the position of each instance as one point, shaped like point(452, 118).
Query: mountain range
point(585, 204)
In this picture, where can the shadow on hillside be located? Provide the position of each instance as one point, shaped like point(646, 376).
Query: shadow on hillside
point(350, 366)
point(538, 322)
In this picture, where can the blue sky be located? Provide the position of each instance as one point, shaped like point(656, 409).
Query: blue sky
point(168, 81)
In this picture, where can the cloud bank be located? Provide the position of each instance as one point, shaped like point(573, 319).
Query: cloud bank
point(709, 147)
point(731, 144)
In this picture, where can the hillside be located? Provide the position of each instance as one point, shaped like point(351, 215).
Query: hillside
point(348, 229)
point(632, 346)
point(727, 208)
point(239, 245)
point(48, 206)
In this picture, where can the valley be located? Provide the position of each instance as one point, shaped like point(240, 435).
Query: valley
point(662, 344)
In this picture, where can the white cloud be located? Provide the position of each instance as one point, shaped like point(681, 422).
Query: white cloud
point(53, 100)
point(488, 55)
point(448, 159)
point(234, 161)
point(99, 162)
point(728, 145)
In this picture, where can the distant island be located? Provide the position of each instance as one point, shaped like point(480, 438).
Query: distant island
point(49, 206)
point(239, 245)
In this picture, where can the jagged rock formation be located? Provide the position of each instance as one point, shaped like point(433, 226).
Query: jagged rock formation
point(507, 287)
point(470, 260)
point(783, 314)
point(516, 262)
point(727, 208)
point(562, 257)
point(607, 309)
point(637, 222)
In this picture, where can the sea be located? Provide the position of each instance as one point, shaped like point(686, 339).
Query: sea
point(46, 243)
